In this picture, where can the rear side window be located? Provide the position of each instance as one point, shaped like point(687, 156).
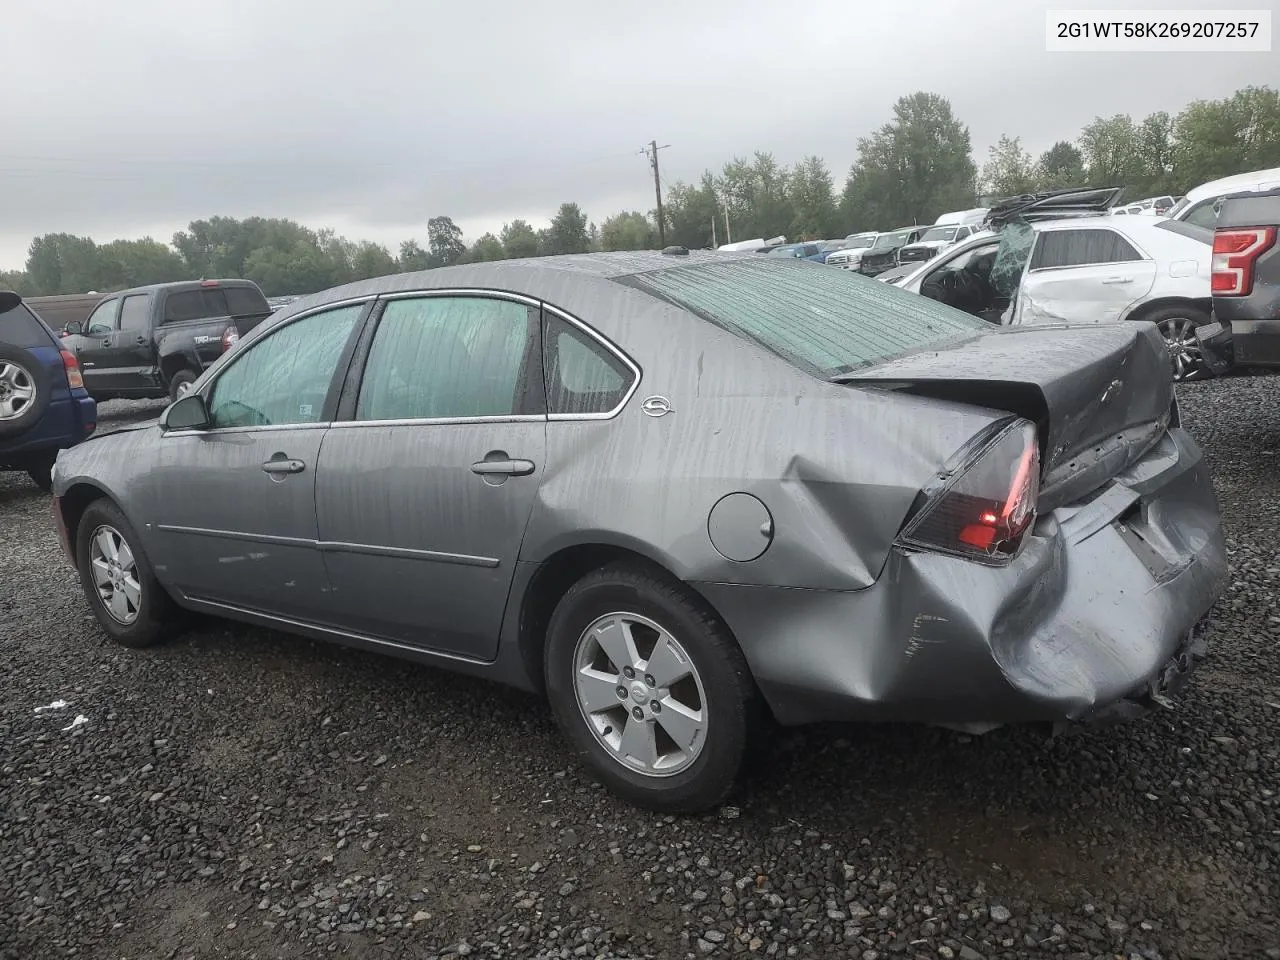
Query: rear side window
point(203, 304)
point(824, 321)
point(446, 357)
point(20, 327)
point(135, 312)
point(245, 302)
point(1078, 248)
point(582, 376)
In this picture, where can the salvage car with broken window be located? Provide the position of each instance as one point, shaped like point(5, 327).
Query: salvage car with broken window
point(1052, 258)
point(678, 493)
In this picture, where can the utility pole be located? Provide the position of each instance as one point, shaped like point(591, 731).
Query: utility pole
point(651, 151)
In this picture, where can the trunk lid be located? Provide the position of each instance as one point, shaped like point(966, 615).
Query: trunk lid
point(1100, 396)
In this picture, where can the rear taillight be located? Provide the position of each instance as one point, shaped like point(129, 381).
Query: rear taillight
point(982, 507)
point(72, 366)
point(1235, 252)
point(229, 338)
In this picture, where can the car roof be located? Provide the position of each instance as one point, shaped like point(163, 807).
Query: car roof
point(1254, 180)
point(182, 286)
point(541, 277)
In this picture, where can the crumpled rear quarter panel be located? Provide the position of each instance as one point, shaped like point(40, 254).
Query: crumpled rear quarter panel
point(1076, 622)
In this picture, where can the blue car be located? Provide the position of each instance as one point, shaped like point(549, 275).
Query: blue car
point(44, 406)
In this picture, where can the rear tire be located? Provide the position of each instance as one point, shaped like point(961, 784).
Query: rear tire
point(1177, 324)
point(25, 388)
point(180, 384)
point(667, 728)
point(117, 579)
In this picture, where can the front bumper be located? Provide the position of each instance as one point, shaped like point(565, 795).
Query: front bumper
point(1096, 606)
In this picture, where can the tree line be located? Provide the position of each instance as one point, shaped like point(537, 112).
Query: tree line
point(917, 165)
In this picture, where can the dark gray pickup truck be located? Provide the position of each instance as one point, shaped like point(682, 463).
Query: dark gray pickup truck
point(1245, 331)
point(155, 341)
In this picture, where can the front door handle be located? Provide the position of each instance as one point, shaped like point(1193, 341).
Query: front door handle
point(106, 342)
point(283, 465)
point(510, 468)
point(141, 341)
point(1118, 280)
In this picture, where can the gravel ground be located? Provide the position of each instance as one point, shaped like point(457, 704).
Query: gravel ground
point(241, 793)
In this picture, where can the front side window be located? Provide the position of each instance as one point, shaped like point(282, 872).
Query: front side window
point(1079, 248)
point(286, 376)
point(446, 357)
point(103, 318)
point(135, 312)
point(582, 376)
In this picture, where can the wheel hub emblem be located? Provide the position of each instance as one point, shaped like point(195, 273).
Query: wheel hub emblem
point(639, 693)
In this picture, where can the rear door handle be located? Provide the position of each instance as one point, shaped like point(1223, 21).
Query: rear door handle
point(1117, 280)
point(510, 468)
point(106, 342)
point(283, 466)
point(140, 341)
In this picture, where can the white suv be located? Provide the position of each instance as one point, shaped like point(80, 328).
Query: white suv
point(1086, 269)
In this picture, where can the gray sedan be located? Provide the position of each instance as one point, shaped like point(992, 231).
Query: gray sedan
point(680, 494)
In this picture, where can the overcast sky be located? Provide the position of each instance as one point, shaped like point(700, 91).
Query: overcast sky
point(134, 118)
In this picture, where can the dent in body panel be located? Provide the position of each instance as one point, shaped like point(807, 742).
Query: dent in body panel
point(1074, 624)
point(832, 468)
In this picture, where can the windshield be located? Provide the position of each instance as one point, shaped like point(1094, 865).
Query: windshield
point(790, 251)
point(1011, 258)
point(860, 242)
point(939, 233)
point(824, 321)
point(888, 241)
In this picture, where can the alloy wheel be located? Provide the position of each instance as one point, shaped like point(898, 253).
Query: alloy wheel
point(1184, 348)
point(640, 694)
point(17, 390)
point(115, 574)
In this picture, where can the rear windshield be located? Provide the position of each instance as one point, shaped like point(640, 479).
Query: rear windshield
point(20, 327)
point(208, 303)
point(824, 321)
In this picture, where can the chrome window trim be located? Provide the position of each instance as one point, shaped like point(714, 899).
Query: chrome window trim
point(462, 292)
point(610, 347)
point(436, 421)
point(266, 427)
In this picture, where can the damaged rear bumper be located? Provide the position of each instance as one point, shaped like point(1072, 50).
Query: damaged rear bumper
point(1096, 609)
point(1158, 690)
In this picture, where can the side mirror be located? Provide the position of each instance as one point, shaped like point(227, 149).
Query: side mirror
point(73, 328)
point(189, 413)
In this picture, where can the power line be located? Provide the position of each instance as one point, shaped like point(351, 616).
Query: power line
point(651, 152)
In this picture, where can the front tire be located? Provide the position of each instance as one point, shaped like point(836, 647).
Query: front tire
point(650, 689)
point(130, 604)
